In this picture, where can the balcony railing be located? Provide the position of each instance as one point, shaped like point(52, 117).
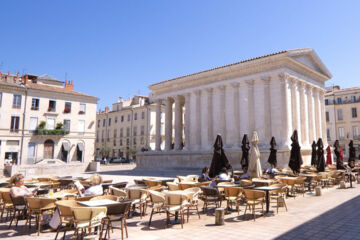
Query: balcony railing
point(35, 108)
point(51, 132)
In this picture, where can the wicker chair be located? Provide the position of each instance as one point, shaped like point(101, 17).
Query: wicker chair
point(36, 207)
point(117, 212)
point(279, 195)
point(19, 209)
point(66, 216)
point(193, 195)
point(138, 198)
point(183, 185)
point(210, 195)
point(102, 197)
point(300, 185)
point(118, 192)
point(86, 218)
point(153, 183)
point(245, 182)
point(177, 203)
point(86, 198)
point(157, 203)
point(253, 198)
point(173, 186)
point(233, 194)
point(7, 205)
point(119, 185)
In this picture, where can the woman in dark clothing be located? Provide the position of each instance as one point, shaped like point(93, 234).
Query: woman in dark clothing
point(320, 156)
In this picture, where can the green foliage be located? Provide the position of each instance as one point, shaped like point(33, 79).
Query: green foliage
point(105, 152)
point(42, 125)
point(59, 126)
point(51, 132)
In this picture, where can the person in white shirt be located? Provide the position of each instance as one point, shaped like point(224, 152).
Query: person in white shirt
point(18, 189)
point(94, 189)
point(271, 169)
point(223, 175)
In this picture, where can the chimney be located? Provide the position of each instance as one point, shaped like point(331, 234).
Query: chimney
point(8, 73)
point(69, 85)
point(106, 109)
point(25, 79)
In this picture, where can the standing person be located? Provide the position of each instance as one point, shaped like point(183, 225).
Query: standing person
point(18, 189)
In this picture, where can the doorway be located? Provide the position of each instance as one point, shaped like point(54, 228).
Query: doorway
point(48, 149)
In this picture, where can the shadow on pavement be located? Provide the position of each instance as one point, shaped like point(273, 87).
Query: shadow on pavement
point(341, 222)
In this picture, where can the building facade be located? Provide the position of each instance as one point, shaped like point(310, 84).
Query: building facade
point(273, 95)
point(342, 117)
point(127, 129)
point(44, 121)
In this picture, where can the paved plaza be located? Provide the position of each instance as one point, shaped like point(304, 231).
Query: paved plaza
point(334, 215)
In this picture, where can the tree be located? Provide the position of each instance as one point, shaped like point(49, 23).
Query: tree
point(105, 152)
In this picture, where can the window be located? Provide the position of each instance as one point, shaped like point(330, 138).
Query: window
point(135, 116)
point(52, 106)
point(341, 133)
point(326, 101)
point(115, 133)
point(134, 141)
point(35, 102)
point(67, 124)
point(128, 141)
point(328, 133)
point(81, 126)
point(102, 136)
point(327, 116)
point(14, 125)
point(356, 134)
point(109, 122)
point(122, 118)
point(114, 142)
point(142, 141)
point(82, 109)
point(353, 98)
point(97, 135)
point(135, 131)
point(67, 108)
point(0, 98)
point(353, 112)
point(121, 132)
point(340, 116)
point(339, 100)
point(142, 131)
point(33, 124)
point(115, 120)
point(120, 142)
point(17, 101)
point(142, 115)
point(128, 132)
point(104, 122)
point(98, 123)
point(108, 135)
point(31, 150)
point(128, 117)
point(50, 123)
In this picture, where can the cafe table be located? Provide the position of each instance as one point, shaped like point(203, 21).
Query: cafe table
point(267, 189)
point(98, 203)
point(309, 178)
point(263, 182)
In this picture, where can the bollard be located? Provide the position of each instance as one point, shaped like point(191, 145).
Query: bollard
point(317, 191)
point(219, 216)
point(342, 184)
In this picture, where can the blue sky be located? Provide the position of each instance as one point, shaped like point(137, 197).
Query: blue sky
point(118, 48)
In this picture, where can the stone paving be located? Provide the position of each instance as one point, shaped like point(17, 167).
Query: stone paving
point(334, 215)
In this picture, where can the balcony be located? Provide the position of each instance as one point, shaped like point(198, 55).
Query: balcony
point(59, 132)
point(81, 112)
point(51, 109)
point(35, 108)
point(67, 110)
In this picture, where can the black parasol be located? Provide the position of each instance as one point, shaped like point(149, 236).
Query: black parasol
point(320, 156)
point(272, 157)
point(295, 161)
point(245, 152)
point(219, 159)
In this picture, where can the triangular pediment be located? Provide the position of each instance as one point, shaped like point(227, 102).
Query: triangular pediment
point(308, 57)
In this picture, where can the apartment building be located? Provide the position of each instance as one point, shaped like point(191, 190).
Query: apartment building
point(44, 119)
point(342, 108)
point(127, 129)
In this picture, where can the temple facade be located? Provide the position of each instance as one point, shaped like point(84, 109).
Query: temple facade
point(272, 94)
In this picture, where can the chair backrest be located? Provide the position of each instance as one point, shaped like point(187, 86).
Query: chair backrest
point(245, 182)
point(300, 180)
point(183, 186)
point(173, 186)
point(153, 183)
point(194, 177)
point(65, 206)
point(324, 175)
point(108, 181)
point(185, 179)
point(233, 191)
point(19, 201)
point(6, 197)
point(109, 197)
point(120, 185)
point(209, 191)
point(156, 197)
point(118, 192)
point(44, 179)
point(139, 182)
point(251, 194)
point(93, 215)
point(40, 203)
point(121, 208)
point(85, 198)
point(174, 199)
point(135, 193)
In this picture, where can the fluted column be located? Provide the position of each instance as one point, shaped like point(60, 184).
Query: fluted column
point(205, 123)
point(313, 114)
point(198, 121)
point(296, 107)
point(158, 126)
point(235, 102)
point(251, 107)
point(259, 109)
point(317, 114)
point(209, 120)
point(243, 108)
point(286, 96)
point(219, 112)
point(178, 122)
point(222, 112)
point(323, 118)
point(304, 115)
point(276, 108)
point(168, 123)
point(230, 116)
point(187, 126)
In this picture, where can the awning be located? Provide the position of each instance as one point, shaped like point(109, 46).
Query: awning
point(81, 147)
point(66, 146)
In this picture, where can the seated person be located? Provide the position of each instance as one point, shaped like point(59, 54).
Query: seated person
point(94, 189)
point(18, 189)
point(205, 174)
point(271, 169)
point(349, 167)
point(245, 174)
point(223, 174)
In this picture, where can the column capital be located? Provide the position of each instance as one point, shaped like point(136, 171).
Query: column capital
point(209, 90)
point(235, 84)
point(197, 92)
point(158, 101)
point(222, 87)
